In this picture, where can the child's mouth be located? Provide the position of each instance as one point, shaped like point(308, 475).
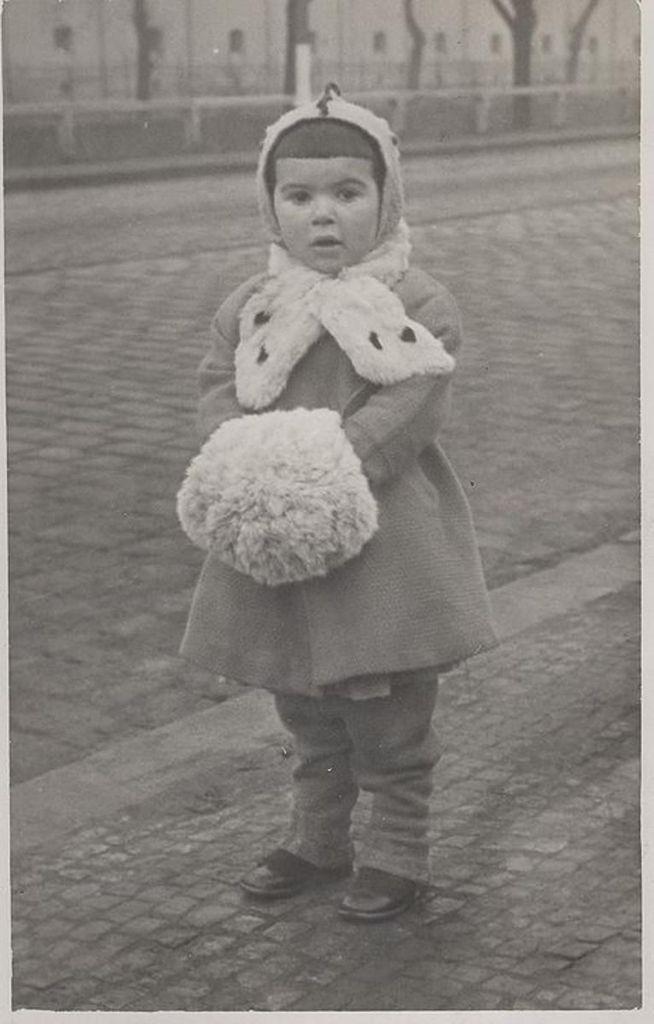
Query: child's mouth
point(325, 243)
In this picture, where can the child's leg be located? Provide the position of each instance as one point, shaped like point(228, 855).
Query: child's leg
point(324, 790)
point(395, 751)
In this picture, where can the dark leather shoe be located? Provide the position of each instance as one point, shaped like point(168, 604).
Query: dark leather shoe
point(282, 874)
point(377, 896)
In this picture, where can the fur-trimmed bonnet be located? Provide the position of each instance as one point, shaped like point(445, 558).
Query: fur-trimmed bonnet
point(331, 107)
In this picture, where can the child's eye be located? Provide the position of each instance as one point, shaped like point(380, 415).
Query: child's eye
point(298, 197)
point(348, 194)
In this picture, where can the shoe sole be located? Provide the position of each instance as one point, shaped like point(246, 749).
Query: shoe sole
point(284, 894)
point(267, 894)
point(361, 916)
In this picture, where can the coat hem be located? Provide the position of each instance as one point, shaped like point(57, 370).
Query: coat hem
point(316, 687)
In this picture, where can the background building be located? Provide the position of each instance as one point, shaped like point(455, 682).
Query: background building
point(87, 49)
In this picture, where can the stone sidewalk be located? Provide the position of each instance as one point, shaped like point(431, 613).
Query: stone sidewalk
point(535, 831)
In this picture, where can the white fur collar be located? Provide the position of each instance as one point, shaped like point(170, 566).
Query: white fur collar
point(287, 315)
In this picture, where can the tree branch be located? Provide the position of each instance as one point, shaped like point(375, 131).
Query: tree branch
point(584, 17)
point(415, 30)
point(504, 13)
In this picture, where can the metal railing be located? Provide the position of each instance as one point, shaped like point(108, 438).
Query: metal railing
point(78, 80)
point(67, 114)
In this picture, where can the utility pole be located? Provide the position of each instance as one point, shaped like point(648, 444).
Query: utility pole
point(102, 52)
point(189, 47)
point(302, 53)
point(297, 72)
point(341, 57)
point(6, 59)
point(267, 46)
point(615, 49)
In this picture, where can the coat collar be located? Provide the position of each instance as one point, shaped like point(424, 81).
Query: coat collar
point(285, 317)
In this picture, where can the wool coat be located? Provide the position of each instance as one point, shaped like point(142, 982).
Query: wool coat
point(415, 596)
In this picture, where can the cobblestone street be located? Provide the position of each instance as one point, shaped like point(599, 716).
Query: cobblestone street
point(535, 903)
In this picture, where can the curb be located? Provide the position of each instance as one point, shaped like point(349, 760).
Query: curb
point(70, 175)
point(128, 773)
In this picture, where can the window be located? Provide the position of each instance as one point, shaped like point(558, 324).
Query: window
point(63, 38)
point(440, 42)
point(546, 43)
point(154, 38)
point(236, 41)
point(496, 43)
point(592, 45)
point(379, 42)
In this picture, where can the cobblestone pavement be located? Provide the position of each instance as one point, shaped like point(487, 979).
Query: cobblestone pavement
point(535, 896)
point(535, 901)
point(102, 349)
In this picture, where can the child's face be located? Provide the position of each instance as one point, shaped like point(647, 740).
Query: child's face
point(327, 210)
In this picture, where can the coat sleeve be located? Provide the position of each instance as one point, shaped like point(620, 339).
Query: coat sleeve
point(398, 421)
point(217, 384)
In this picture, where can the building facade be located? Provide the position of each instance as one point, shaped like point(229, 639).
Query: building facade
point(87, 49)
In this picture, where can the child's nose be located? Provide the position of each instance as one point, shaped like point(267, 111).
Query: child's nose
point(323, 210)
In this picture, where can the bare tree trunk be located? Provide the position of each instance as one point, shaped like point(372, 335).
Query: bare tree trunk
point(523, 31)
point(417, 46)
point(576, 39)
point(289, 67)
point(143, 55)
point(522, 22)
point(297, 31)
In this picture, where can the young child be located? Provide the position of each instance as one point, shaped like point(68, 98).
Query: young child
point(342, 571)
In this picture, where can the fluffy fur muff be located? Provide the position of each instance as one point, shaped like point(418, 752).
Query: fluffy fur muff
point(280, 496)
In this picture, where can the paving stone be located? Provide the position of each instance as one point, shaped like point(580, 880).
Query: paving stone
point(80, 892)
point(582, 1000)
point(441, 907)
point(572, 950)
point(520, 864)
point(118, 999)
point(508, 985)
point(283, 930)
point(432, 969)
point(134, 959)
point(257, 950)
point(246, 923)
point(315, 974)
point(45, 977)
point(70, 993)
point(258, 977)
point(212, 945)
point(144, 925)
point(52, 929)
point(218, 970)
point(210, 913)
point(469, 974)
point(175, 906)
point(282, 997)
point(127, 911)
